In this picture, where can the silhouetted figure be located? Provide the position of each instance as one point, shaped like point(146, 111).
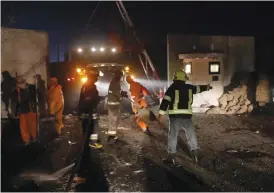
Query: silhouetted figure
point(41, 91)
point(252, 86)
point(8, 87)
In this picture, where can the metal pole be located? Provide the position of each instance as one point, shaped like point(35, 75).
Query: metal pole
point(58, 58)
point(37, 109)
point(167, 47)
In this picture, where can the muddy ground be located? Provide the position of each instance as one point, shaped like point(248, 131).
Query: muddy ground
point(237, 155)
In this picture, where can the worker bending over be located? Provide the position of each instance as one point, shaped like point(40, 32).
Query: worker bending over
point(56, 103)
point(26, 110)
point(88, 103)
point(115, 96)
point(177, 103)
point(139, 103)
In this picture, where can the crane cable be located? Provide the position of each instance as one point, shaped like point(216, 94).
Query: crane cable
point(128, 21)
point(92, 15)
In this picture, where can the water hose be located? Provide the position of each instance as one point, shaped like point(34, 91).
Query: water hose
point(80, 156)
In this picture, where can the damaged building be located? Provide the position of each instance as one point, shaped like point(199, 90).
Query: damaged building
point(218, 60)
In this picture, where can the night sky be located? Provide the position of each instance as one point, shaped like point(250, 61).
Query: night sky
point(66, 21)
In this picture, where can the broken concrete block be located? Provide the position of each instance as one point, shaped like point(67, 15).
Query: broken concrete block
point(250, 108)
point(242, 110)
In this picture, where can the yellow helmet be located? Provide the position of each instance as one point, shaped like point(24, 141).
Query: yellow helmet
point(180, 75)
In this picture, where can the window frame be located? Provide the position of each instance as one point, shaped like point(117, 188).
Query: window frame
point(214, 63)
point(186, 63)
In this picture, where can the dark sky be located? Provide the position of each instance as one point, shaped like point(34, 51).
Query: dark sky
point(153, 20)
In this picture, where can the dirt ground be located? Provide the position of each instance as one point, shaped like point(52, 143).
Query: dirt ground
point(237, 155)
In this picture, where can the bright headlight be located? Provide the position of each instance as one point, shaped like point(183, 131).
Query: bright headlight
point(113, 49)
point(127, 68)
point(80, 50)
point(102, 49)
point(78, 70)
point(84, 79)
point(93, 49)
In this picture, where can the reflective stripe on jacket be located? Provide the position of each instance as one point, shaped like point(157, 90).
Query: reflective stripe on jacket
point(179, 97)
point(114, 92)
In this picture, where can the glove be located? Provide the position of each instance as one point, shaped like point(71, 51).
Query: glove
point(124, 94)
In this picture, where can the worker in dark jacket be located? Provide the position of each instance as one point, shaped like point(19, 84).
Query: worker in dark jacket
point(89, 100)
point(26, 110)
point(114, 99)
point(177, 104)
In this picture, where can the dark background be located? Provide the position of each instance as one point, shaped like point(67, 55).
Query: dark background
point(67, 21)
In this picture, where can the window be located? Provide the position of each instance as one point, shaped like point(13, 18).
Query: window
point(214, 67)
point(188, 68)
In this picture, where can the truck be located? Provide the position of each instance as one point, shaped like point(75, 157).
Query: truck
point(24, 53)
point(106, 59)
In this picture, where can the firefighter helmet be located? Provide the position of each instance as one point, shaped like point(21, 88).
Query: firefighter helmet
point(180, 75)
point(129, 79)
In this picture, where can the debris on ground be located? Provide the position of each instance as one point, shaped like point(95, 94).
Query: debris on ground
point(138, 171)
point(71, 143)
point(230, 150)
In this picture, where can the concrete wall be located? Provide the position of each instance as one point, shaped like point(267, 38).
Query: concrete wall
point(239, 51)
point(239, 55)
point(24, 52)
point(200, 76)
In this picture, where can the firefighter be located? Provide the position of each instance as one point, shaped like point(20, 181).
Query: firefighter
point(177, 103)
point(26, 111)
point(115, 95)
point(89, 100)
point(139, 104)
point(56, 103)
point(8, 88)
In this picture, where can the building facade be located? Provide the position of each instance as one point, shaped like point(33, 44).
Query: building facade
point(210, 59)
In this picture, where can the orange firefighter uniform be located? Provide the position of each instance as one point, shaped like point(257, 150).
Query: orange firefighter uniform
point(26, 111)
point(56, 103)
point(138, 102)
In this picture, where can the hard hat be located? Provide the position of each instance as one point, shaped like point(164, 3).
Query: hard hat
point(129, 78)
point(180, 75)
point(118, 73)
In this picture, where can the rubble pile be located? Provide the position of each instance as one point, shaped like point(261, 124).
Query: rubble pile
point(233, 102)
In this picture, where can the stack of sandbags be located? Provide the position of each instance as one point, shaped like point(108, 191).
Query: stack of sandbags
point(233, 102)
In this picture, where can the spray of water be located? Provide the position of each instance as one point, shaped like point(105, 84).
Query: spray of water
point(153, 83)
point(40, 178)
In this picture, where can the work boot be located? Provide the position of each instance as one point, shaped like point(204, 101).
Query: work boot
point(170, 160)
point(195, 155)
point(96, 145)
point(79, 180)
point(59, 128)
